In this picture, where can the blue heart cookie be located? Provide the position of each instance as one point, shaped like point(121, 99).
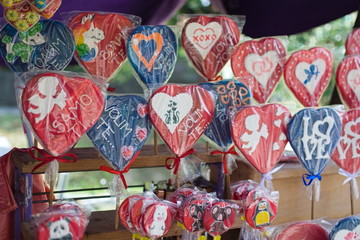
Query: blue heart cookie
point(48, 45)
point(152, 51)
point(122, 130)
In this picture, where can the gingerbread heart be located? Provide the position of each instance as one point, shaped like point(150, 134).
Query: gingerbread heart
point(40, 5)
point(51, 9)
point(347, 152)
point(10, 3)
point(209, 43)
point(348, 81)
point(308, 73)
point(61, 109)
point(262, 62)
point(352, 44)
point(260, 134)
point(21, 16)
point(100, 41)
point(181, 115)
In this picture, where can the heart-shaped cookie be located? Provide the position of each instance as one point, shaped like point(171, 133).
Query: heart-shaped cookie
point(21, 16)
point(314, 134)
point(209, 43)
point(261, 61)
point(347, 152)
point(100, 41)
point(10, 3)
point(307, 74)
point(48, 45)
point(60, 109)
point(181, 115)
point(121, 130)
point(352, 44)
point(260, 134)
point(348, 81)
point(152, 51)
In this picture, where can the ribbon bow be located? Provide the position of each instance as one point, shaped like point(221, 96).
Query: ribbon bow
point(176, 162)
point(350, 176)
point(120, 173)
point(268, 176)
point(231, 151)
point(47, 157)
point(311, 178)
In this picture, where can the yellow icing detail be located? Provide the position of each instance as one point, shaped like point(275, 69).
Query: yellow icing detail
point(181, 225)
point(12, 15)
point(217, 238)
point(21, 25)
point(262, 218)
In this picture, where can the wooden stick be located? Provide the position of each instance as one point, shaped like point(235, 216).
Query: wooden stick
point(352, 196)
point(116, 212)
point(227, 186)
point(156, 149)
point(51, 197)
point(36, 144)
point(207, 146)
point(313, 202)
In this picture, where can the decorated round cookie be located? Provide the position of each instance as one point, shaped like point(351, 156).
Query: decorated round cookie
point(137, 211)
point(193, 213)
point(261, 212)
point(218, 218)
point(303, 230)
point(243, 188)
point(346, 229)
point(308, 73)
point(124, 211)
point(157, 220)
point(254, 194)
point(180, 194)
point(61, 226)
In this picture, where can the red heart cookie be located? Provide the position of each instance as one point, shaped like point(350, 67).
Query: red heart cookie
point(61, 109)
point(51, 9)
point(262, 62)
point(260, 134)
point(209, 43)
point(352, 44)
point(347, 152)
point(181, 115)
point(348, 81)
point(261, 212)
point(21, 16)
point(219, 218)
point(308, 73)
point(101, 41)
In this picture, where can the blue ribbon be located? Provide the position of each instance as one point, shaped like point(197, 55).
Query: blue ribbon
point(311, 178)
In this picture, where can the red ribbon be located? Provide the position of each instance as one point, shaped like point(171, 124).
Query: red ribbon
point(120, 173)
point(231, 151)
point(47, 157)
point(176, 162)
point(111, 89)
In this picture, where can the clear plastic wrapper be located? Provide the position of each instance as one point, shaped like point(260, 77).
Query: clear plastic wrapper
point(259, 133)
point(60, 221)
point(352, 45)
point(346, 154)
point(263, 62)
point(121, 131)
point(45, 8)
point(152, 52)
point(313, 134)
point(180, 115)
point(309, 230)
point(48, 45)
point(229, 96)
point(348, 81)
point(261, 212)
point(100, 40)
point(346, 228)
point(60, 107)
point(124, 211)
point(210, 40)
point(219, 217)
point(308, 73)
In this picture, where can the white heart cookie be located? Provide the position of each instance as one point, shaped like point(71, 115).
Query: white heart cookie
point(203, 37)
point(170, 114)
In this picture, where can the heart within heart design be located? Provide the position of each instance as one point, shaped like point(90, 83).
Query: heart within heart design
point(256, 134)
point(347, 152)
point(60, 109)
point(314, 134)
point(121, 130)
point(348, 81)
point(48, 45)
point(262, 62)
point(209, 43)
point(308, 73)
point(100, 41)
point(152, 51)
point(181, 115)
